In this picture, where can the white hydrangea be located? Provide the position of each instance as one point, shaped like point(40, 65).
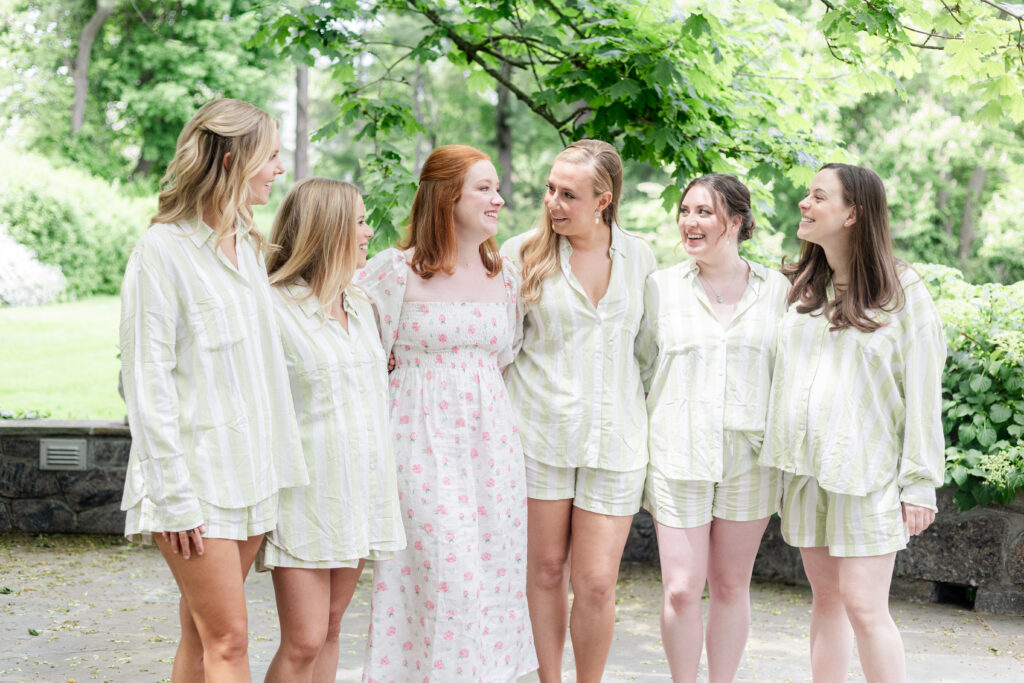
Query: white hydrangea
point(24, 281)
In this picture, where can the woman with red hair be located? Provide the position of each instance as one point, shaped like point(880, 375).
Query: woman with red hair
point(452, 606)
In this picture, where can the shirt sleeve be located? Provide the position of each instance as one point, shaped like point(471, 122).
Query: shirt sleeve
point(922, 461)
point(148, 359)
point(646, 348)
point(384, 280)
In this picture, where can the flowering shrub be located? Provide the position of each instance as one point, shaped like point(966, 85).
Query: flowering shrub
point(72, 220)
point(982, 386)
point(24, 281)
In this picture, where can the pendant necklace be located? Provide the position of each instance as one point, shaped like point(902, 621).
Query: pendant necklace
point(718, 297)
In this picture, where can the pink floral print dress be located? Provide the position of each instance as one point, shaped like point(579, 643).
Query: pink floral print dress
point(452, 606)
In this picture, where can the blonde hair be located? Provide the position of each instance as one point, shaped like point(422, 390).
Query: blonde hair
point(315, 237)
point(539, 253)
point(197, 176)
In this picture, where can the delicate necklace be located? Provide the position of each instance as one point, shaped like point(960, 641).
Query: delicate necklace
point(718, 297)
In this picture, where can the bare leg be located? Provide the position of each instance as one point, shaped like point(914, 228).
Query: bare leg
point(864, 586)
point(343, 586)
point(547, 581)
point(684, 567)
point(188, 660)
point(303, 605)
point(212, 593)
point(733, 549)
point(831, 634)
point(596, 550)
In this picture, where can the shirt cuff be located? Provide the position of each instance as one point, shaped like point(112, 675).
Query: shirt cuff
point(922, 495)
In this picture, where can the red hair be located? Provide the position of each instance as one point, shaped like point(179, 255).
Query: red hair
point(430, 232)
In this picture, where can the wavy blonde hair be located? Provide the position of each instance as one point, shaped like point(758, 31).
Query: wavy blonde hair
point(539, 253)
point(197, 176)
point(316, 239)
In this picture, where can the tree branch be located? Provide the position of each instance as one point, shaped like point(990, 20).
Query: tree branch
point(472, 54)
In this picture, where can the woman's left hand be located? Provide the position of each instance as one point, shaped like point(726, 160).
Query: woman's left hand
point(917, 518)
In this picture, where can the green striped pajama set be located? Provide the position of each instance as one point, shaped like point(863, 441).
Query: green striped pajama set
point(575, 383)
point(338, 381)
point(214, 435)
point(707, 398)
point(855, 422)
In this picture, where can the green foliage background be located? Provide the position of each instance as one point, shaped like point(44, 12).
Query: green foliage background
point(931, 95)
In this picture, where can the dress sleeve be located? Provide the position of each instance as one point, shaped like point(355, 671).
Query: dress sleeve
point(515, 314)
point(148, 329)
point(922, 461)
point(383, 280)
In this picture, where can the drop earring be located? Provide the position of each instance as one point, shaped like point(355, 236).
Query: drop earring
point(597, 217)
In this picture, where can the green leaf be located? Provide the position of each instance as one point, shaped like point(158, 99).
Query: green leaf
point(964, 500)
point(980, 384)
point(966, 433)
point(959, 475)
point(1000, 413)
point(33, 632)
point(987, 435)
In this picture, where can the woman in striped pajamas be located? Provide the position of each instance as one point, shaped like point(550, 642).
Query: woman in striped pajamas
point(338, 379)
point(576, 387)
point(214, 435)
point(708, 343)
point(854, 418)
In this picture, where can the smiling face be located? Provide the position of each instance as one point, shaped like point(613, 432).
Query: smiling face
point(364, 233)
point(260, 184)
point(704, 227)
point(824, 213)
point(570, 200)
point(476, 211)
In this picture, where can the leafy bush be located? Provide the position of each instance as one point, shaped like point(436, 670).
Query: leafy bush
point(24, 281)
point(982, 387)
point(72, 220)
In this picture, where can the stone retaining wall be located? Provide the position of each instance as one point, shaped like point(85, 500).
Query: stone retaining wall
point(976, 557)
point(40, 501)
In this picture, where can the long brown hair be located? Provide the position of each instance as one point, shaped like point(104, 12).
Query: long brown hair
point(431, 229)
point(315, 236)
point(539, 252)
point(874, 280)
point(197, 176)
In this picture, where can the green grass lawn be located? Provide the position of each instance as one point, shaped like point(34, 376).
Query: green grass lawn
point(62, 358)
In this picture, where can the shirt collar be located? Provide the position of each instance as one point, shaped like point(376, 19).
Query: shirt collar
point(200, 234)
point(303, 296)
point(758, 273)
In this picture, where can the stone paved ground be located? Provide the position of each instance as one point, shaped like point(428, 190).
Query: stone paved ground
point(86, 608)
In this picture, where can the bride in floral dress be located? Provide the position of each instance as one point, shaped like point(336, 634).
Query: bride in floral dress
point(452, 606)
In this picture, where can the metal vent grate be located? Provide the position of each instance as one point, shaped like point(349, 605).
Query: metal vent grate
point(63, 454)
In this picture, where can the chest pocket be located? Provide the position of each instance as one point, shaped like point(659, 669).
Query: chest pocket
point(218, 327)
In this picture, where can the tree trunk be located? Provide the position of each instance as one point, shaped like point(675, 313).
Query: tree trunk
point(143, 167)
point(503, 133)
point(301, 121)
point(417, 112)
point(80, 71)
point(974, 187)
